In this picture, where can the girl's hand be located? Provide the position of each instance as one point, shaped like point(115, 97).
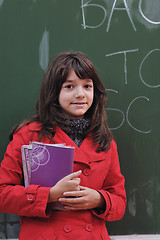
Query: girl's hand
point(66, 184)
point(86, 198)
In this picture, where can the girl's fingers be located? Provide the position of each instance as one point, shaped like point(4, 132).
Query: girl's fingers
point(72, 208)
point(73, 197)
point(74, 194)
point(72, 200)
point(75, 204)
point(83, 188)
point(73, 175)
point(76, 182)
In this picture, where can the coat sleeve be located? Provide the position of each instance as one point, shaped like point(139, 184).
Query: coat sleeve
point(113, 190)
point(14, 197)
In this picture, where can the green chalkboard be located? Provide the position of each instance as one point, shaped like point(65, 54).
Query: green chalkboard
point(122, 38)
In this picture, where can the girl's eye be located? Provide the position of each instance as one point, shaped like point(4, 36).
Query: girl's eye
point(68, 86)
point(88, 86)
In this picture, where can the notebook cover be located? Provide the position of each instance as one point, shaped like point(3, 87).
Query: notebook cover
point(50, 163)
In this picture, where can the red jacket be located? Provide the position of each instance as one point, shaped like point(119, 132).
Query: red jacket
point(100, 171)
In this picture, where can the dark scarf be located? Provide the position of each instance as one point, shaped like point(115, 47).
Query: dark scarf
point(75, 129)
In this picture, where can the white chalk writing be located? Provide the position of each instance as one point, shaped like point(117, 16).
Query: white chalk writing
point(122, 9)
point(83, 14)
point(140, 69)
point(125, 59)
point(117, 110)
point(146, 18)
point(114, 8)
point(127, 115)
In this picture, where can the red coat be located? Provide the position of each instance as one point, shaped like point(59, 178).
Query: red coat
point(100, 171)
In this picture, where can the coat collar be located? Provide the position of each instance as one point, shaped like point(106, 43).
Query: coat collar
point(86, 153)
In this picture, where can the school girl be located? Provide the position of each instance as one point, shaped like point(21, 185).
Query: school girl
point(70, 109)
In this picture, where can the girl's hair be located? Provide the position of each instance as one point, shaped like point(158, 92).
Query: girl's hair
point(48, 110)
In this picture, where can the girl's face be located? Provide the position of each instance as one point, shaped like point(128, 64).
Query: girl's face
point(76, 96)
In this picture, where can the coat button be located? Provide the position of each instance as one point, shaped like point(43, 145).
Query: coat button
point(89, 227)
point(86, 171)
point(30, 198)
point(67, 228)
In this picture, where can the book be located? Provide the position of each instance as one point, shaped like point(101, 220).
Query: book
point(26, 164)
point(46, 164)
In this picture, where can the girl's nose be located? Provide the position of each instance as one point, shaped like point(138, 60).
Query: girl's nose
point(79, 92)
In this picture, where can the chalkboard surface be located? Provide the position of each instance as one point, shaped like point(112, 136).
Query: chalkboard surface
point(122, 38)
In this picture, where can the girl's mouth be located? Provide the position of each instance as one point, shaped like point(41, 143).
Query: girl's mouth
point(79, 103)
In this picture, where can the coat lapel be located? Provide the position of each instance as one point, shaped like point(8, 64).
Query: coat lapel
point(86, 153)
point(61, 137)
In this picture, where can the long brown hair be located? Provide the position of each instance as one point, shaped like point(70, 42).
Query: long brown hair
point(48, 110)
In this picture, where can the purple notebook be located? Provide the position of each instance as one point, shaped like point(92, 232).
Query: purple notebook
point(45, 164)
point(50, 163)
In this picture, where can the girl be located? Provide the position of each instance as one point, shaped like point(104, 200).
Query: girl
point(70, 109)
